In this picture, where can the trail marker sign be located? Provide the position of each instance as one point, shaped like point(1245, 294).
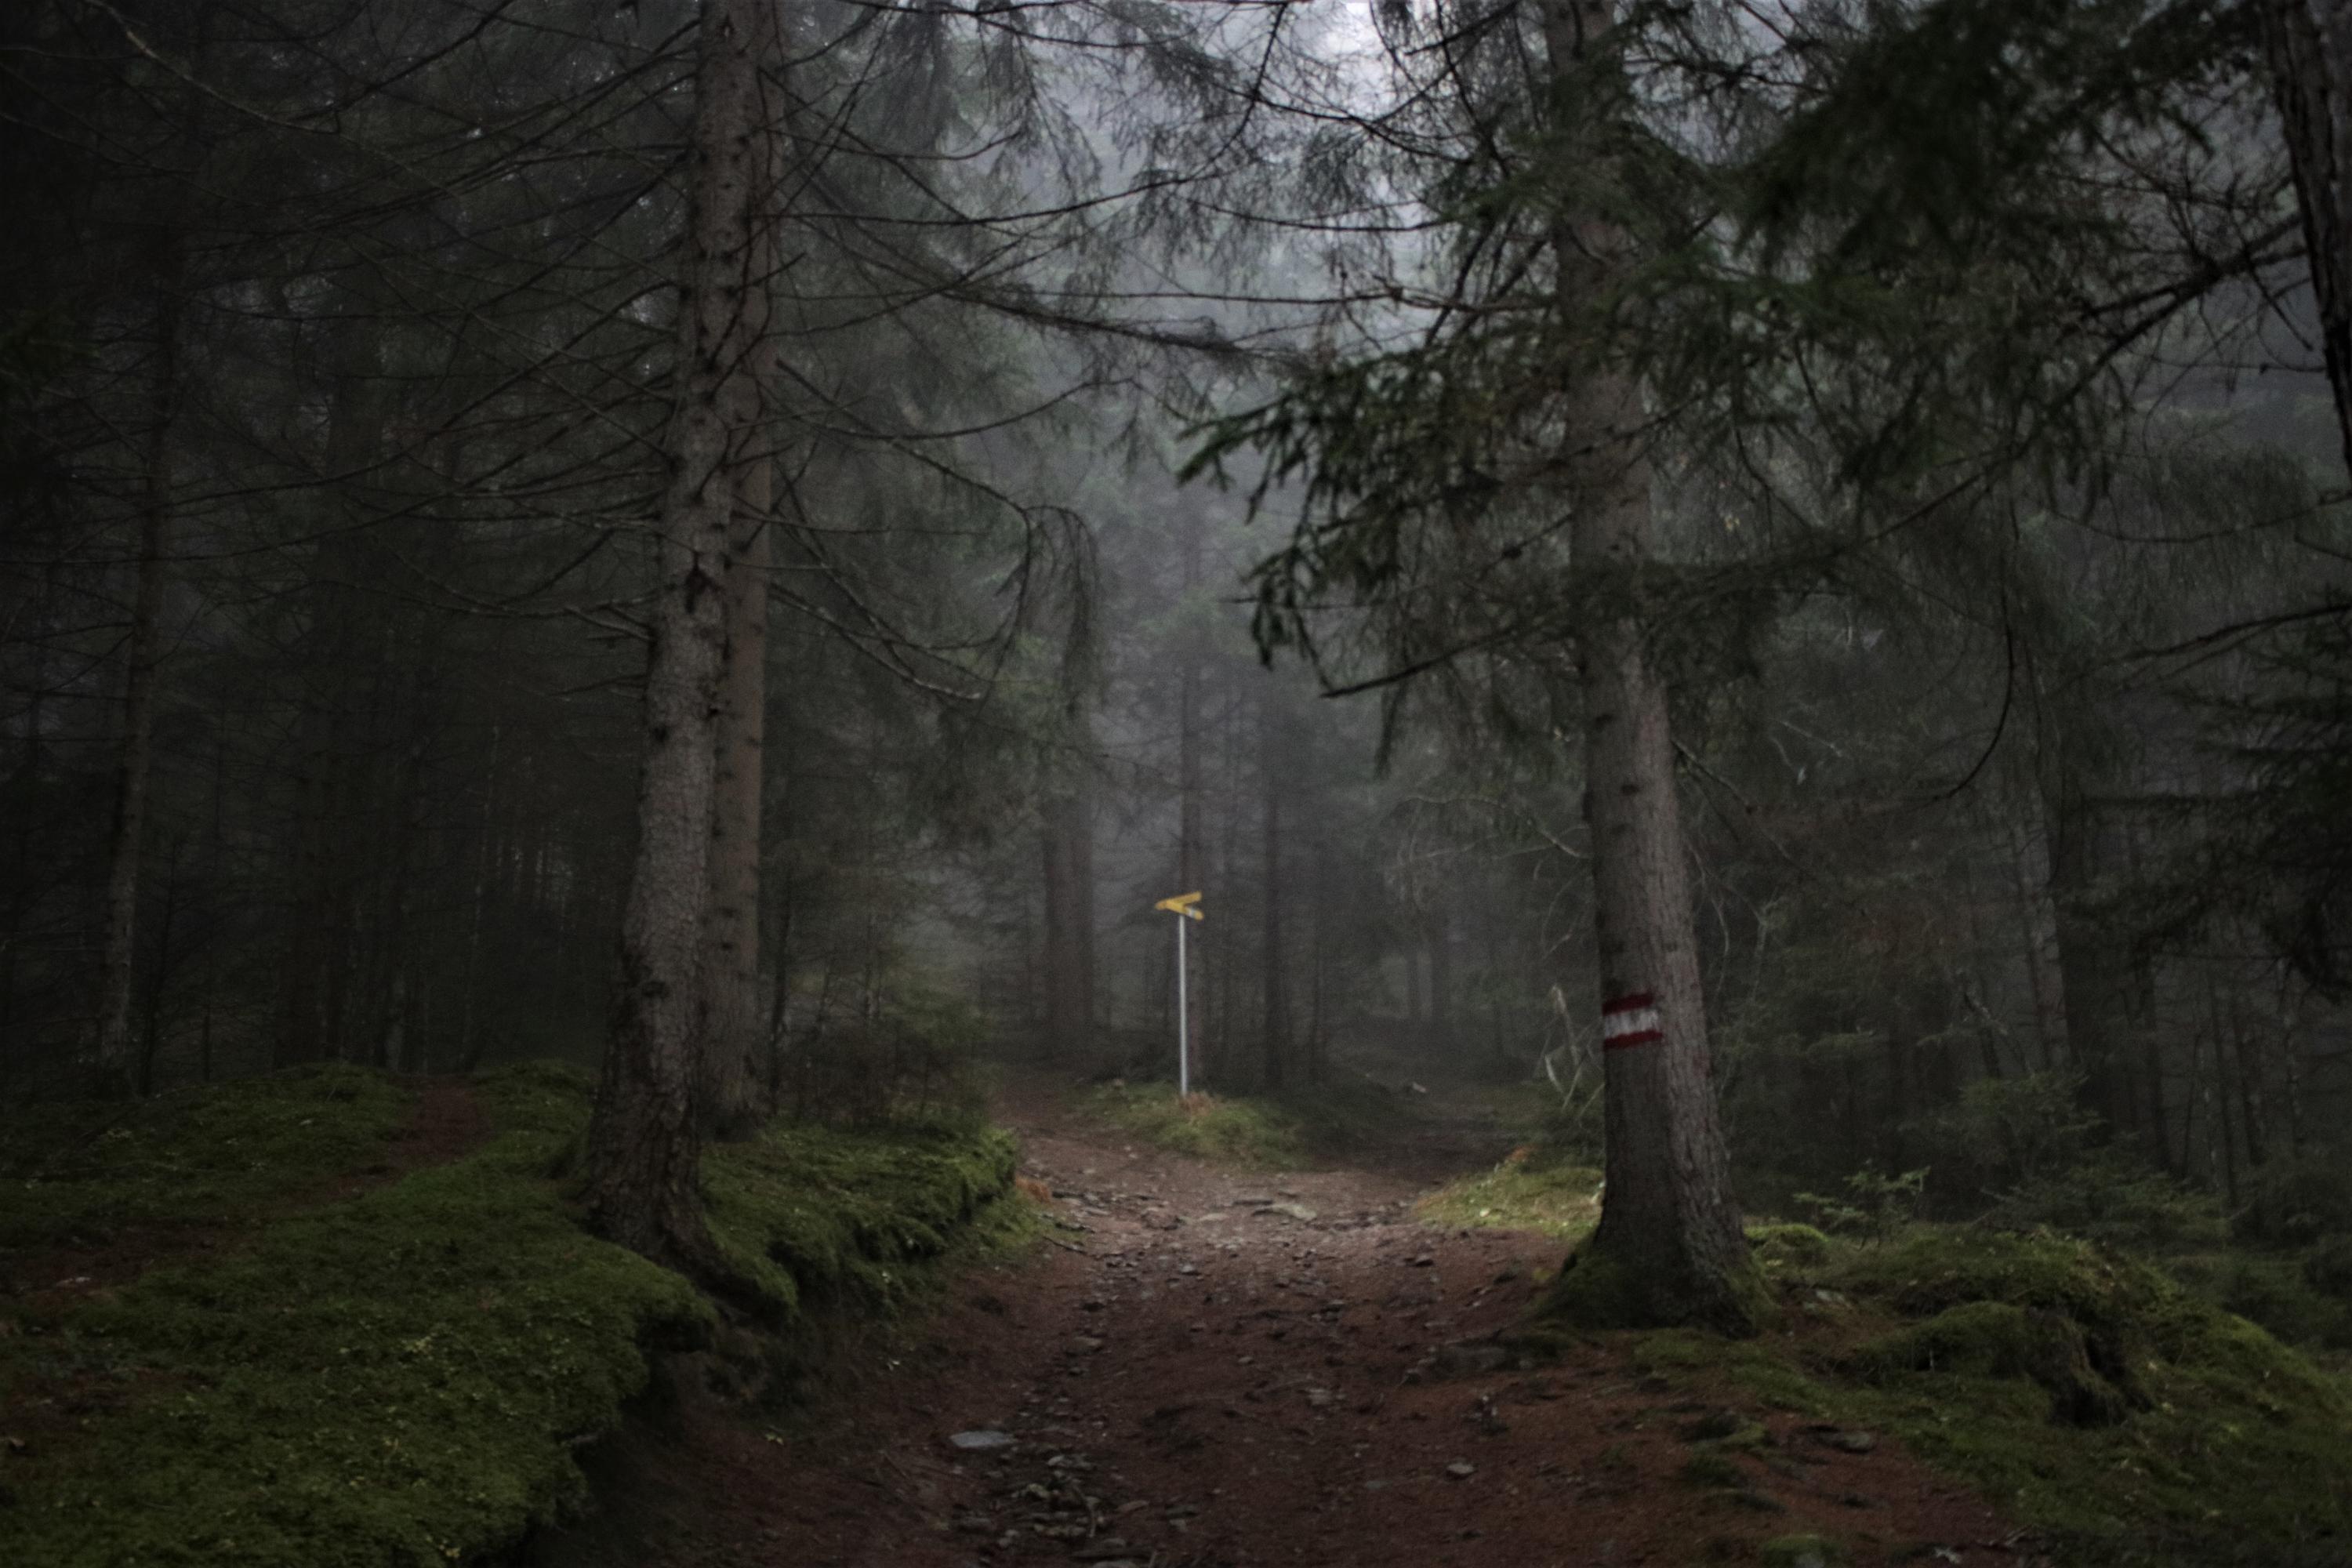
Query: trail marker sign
point(1187, 905)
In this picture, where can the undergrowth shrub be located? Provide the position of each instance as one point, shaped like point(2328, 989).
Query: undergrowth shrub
point(2114, 1197)
point(2294, 1202)
point(2328, 1267)
point(916, 1057)
point(2003, 1135)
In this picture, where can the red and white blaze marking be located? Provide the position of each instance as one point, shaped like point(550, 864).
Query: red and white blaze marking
point(1629, 1020)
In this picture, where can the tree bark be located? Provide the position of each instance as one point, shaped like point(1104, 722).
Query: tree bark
point(1669, 1247)
point(1190, 856)
point(1441, 979)
point(1069, 981)
point(1276, 1039)
point(643, 1148)
point(2090, 969)
point(2308, 46)
point(732, 1014)
point(112, 1059)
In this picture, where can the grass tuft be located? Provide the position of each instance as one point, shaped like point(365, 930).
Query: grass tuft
point(1254, 1134)
point(1520, 1193)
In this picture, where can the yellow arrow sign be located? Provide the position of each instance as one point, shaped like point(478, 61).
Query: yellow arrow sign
point(1182, 904)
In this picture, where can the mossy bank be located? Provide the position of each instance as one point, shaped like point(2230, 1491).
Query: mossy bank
point(402, 1377)
point(2082, 1391)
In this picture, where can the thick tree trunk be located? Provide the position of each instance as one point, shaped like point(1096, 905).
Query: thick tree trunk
point(732, 1013)
point(112, 1059)
point(1669, 1247)
point(644, 1142)
point(2308, 45)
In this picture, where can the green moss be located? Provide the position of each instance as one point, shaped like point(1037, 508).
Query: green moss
point(1997, 1339)
point(815, 1210)
point(1787, 1249)
point(403, 1379)
point(80, 1173)
point(540, 1095)
point(1255, 1133)
point(1597, 1290)
point(2222, 1432)
point(1561, 1200)
point(397, 1379)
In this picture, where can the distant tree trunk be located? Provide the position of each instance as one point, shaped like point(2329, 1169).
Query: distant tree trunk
point(2308, 46)
point(2089, 969)
point(485, 859)
point(1441, 979)
point(152, 1037)
point(1670, 1228)
point(1319, 954)
point(732, 1014)
point(112, 1059)
point(1276, 1035)
point(2049, 1001)
point(1067, 839)
point(1191, 854)
point(645, 1145)
point(210, 980)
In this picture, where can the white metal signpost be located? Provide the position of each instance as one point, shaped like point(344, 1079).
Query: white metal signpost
point(1187, 906)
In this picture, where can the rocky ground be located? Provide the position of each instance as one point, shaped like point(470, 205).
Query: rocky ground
point(1210, 1370)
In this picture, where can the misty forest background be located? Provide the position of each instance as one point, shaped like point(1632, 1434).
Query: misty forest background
point(2004, 591)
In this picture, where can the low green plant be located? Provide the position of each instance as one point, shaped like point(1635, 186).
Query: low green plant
point(2328, 1268)
point(1249, 1132)
point(1789, 1248)
point(1876, 1206)
point(2294, 1202)
point(1523, 1192)
point(2114, 1197)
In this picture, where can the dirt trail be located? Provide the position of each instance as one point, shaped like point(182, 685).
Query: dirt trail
point(1216, 1368)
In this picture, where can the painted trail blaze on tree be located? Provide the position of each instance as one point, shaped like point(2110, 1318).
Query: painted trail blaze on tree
point(1629, 1020)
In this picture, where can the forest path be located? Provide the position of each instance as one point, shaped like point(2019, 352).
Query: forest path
point(1213, 1369)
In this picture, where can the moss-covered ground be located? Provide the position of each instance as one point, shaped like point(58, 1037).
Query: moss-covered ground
point(1525, 1192)
point(82, 1173)
point(1284, 1131)
point(404, 1377)
point(2084, 1391)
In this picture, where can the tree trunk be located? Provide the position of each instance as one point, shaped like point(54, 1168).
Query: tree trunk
point(732, 1014)
point(1191, 857)
point(1440, 980)
point(2089, 969)
point(644, 1145)
point(152, 1037)
point(1275, 1040)
point(1069, 982)
point(2308, 46)
point(112, 1061)
point(1669, 1248)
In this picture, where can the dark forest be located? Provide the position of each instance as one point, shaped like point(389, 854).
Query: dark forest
point(1183, 784)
